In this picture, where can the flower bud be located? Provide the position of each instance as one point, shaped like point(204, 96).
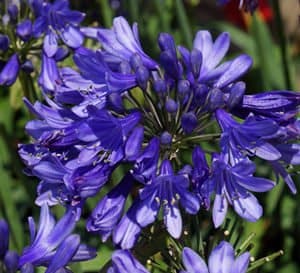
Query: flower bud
point(27, 66)
point(166, 42)
point(4, 42)
point(61, 54)
point(166, 138)
point(10, 71)
point(11, 261)
point(136, 61)
point(27, 268)
point(142, 76)
point(236, 94)
point(189, 122)
point(13, 11)
point(215, 99)
point(170, 63)
point(183, 87)
point(196, 61)
point(171, 106)
point(4, 235)
point(160, 86)
point(24, 30)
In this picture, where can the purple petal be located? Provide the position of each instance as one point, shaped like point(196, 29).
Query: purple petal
point(290, 153)
point(219, 210)
point(50, 44)
point(125, 262)
point(173, 221)
point(126, 233)
point(219, 49)
point(192, 262)
point(134, 143)
point(238, 67)
point(84, 253)
point(64, 253)
point(278, 168)
point(147, 212)
point(72, 36)
point(221, 258)
point(203, 42)
point(248, 208)
point(11, 261)
point(4, 235)
point(10, 71)
point(267, 151)
point(240, 265)
point(49, 73)
point(256, 184)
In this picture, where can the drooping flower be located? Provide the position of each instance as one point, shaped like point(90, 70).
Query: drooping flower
point(221, 260)
point(233, 180)
point(166, 191)
point(268, 135)
point(252, 136)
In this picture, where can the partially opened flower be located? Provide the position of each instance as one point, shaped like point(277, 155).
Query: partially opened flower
point(52, 244)
point(221, 260)
point(123, 261)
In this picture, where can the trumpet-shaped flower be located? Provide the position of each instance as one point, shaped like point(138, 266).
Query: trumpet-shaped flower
point(221, 260)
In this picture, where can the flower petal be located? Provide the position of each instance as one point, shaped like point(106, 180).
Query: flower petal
point(192, 262)
point(221, 258)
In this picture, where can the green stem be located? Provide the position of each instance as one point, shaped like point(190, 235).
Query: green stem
point(264, 260)
point(160, 7)
point(106, 12)
point(283, 45)
point(183, 22)
point(201, 137)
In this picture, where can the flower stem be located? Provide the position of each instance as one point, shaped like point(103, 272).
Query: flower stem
point(283, 45)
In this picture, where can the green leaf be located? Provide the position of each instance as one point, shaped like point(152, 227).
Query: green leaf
point(267, 54)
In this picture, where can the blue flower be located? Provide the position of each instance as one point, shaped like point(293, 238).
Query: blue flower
point(56, 20)
point(252, 136)
point(166, 190)
point(278, 105)
point(49, 76)
point(221, 260)
point(122, 43)
point(271, 138)
point(73, 155)
point(52, 244)
point(108, 211)
point(233, 180)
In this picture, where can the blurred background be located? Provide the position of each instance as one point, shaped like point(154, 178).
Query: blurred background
point(271, 37)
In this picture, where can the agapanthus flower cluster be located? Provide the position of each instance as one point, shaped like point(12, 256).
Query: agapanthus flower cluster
point(51, 245)
point(124, 107)
point(33, 28)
